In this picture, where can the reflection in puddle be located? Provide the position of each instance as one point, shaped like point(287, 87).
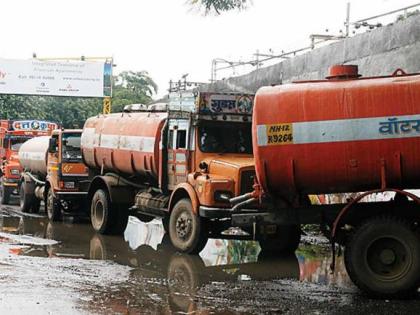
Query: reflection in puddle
point(161, 277)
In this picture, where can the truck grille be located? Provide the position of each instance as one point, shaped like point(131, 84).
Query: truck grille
point(247, 181)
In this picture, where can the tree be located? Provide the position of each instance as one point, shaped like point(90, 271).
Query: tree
point(219, 6)
point(132, 88)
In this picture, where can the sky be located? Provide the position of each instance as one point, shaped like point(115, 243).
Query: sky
point(166, 37)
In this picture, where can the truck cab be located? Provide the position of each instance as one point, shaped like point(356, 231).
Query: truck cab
point(12, 135)
point(212, 149)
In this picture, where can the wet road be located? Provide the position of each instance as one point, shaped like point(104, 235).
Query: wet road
point(66, 268)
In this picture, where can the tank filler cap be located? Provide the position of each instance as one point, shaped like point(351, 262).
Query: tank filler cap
point(343, 72)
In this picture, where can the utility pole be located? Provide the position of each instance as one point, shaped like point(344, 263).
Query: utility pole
point(347, 23)
point(107, 106)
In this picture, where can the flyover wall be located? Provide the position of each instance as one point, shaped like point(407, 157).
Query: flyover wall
point(377, 52)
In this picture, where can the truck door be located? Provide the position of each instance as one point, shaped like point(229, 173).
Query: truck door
point(178, 152)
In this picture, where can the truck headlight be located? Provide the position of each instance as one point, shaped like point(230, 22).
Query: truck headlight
point(223, 196)
point(14, 171)
point(69, 185)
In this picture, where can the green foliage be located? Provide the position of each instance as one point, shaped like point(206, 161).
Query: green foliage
point(129, 87)
point(132, 88)
point(219, 6)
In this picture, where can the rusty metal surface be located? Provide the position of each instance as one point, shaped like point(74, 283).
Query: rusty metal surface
point(338, 136)
point(124, 143)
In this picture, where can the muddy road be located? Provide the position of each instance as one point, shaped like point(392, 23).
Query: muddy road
point(66, 268)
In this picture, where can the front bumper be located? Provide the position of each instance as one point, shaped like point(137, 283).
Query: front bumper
point(71, 195)
point(12, 184)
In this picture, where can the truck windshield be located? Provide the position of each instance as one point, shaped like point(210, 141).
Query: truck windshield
point(16, 142)
point(71, 147)
point(225, 137)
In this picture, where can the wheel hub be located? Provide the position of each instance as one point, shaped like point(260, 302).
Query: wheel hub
point(387, 256)
point(183, 226)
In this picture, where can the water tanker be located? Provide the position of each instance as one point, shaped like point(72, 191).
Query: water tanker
point(338, 135)
point(127, 144)
point(33, 155)
point(53, 173)
point(342, 135)
point(180, 162)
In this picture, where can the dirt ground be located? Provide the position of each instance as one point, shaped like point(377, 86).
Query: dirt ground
point(66, 268)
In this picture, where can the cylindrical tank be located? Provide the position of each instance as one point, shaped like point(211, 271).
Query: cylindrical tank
point(334, 136)
point(124, 142)
point(33, 155)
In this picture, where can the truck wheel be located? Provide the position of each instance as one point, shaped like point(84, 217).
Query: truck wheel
point(5, 195)
point(52, 207)
point(107, 218)
point(25, 199)
point(382, 257)
point(100, 212)
point(187, 231)
point(285, 240)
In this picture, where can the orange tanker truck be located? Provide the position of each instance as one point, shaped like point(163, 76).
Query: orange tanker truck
point(343, 135)
point(54, 173)
point(12, 135)
point(180, 161)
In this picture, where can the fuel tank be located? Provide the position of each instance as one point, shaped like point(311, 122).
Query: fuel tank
point(124, 142)
point(344, 134)
point(33, 155)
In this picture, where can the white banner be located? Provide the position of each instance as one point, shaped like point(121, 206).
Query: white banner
point(59, 78)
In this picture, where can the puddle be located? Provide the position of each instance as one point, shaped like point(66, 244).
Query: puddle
point(148, 245)
point(141, 272)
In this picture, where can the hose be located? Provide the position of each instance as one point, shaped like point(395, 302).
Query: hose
point(241, 198)
point(36, 180)
point(240, 205)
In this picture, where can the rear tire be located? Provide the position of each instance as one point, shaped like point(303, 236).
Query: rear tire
point(187, 230)
point(25, 199)
point(382, 257)
point(285, 240)
point(5, 195)
point(105, 217)
point(52, 207)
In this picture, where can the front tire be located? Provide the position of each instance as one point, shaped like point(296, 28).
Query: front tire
point(52, 207)
point(187, 230)
point(382, 257)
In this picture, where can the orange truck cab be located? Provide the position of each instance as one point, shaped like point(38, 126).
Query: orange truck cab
point(54, 173)
point(12, 135)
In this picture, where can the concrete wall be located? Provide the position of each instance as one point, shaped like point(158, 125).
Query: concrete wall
point(378, 52)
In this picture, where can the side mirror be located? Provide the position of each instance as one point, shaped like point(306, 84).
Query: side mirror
point(52, 146)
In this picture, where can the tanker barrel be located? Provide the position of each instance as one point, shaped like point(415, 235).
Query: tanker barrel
point(33, 155)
